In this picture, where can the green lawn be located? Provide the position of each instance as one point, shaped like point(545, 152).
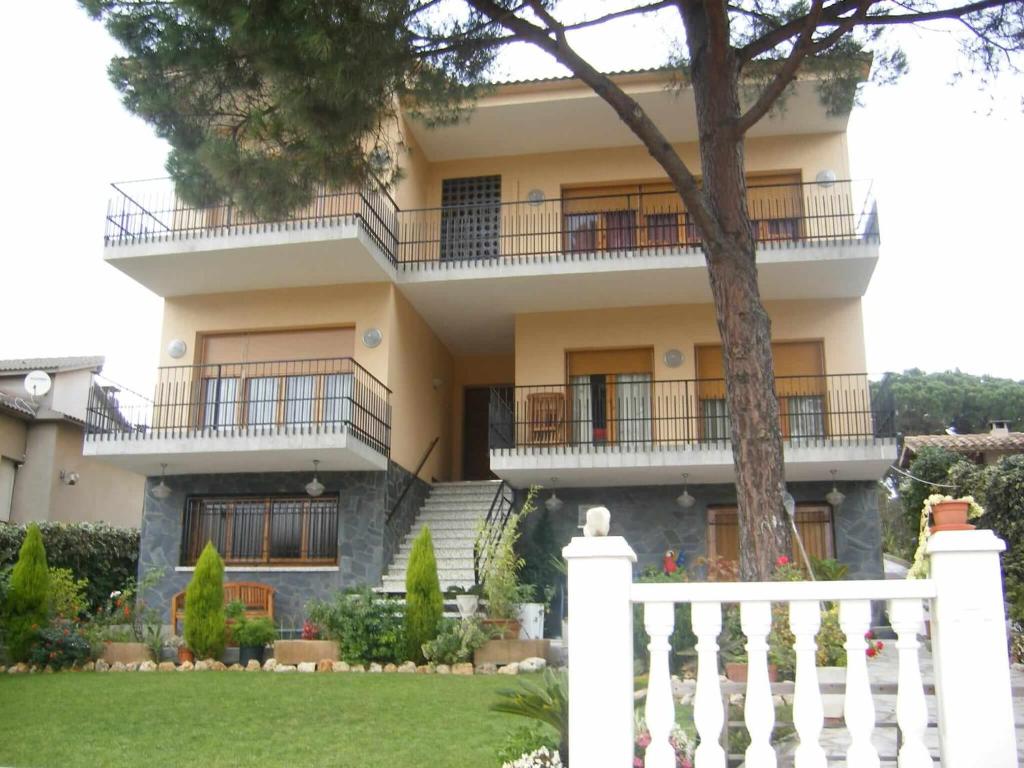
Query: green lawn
point(242, 719)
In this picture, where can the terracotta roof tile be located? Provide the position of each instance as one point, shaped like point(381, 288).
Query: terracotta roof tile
point(987, 441)
point(51, 364)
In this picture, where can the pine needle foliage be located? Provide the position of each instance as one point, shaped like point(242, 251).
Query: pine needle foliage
point(204, 606)
point(424, 605)
point(28, 597)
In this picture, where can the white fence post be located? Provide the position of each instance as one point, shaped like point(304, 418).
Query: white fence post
point(600, 651)
point(972, 670)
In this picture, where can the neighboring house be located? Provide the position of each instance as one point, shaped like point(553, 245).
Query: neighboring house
point(983, 448)
point(43, 474)
point(532, 304)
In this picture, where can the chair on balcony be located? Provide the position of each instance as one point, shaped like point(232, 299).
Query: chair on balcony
point(546, 418)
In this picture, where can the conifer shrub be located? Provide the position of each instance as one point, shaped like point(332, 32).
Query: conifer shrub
point(28, 596)
point(204, 606)
point(424, 605)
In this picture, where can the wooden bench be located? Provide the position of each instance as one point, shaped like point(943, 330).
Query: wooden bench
point(258, 599)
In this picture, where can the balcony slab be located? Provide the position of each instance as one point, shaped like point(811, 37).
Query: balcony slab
point(606, 466)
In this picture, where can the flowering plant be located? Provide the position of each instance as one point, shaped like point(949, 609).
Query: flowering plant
point(539, 758)
point(681, 743)
point(787, 570)
point(920, 569)
point(875, 647)
point(62, 644)
point(310, 631)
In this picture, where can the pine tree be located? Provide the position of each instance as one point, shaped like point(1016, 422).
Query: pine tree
point(28, 597)
point(204, 606)
point(424, 605)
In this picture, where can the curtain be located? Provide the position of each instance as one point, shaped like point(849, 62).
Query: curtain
point(806, 416)
point(715, 417)
point(262, 400)
point(298, 400)
point(581, 410)
point(338, 398)
point(633, 407)
point(220, 403)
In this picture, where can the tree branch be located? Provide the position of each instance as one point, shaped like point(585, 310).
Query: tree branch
point(628, 110)
point(786, 32)
point(786, 73)
point(640, 9)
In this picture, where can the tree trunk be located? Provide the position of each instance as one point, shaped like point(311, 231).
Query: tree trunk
point(743, 324)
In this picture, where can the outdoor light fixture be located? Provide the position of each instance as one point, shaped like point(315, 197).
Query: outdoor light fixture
point(161, 490)
point(177, 348)
point(314, 487)
point(685, 499)
point(553, 504)
point(835, 497)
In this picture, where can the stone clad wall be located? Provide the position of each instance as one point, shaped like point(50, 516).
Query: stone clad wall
point(363, 535)
point(651, 521)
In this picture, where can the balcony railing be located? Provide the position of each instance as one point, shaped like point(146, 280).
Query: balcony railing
point(576, 229)
point(635, 412)
point(281, 397)
point(596, 227)
point(147, 211)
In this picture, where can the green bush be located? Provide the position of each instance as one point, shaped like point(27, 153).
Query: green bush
point(424, 605)
point(28, 596)
point(682, 640)
point(456, 641)
point(104, 556)
point(62, 644)
point(204, 606)
point(259, 631)
point(1003, 497)
point(366, 626)
point(546, 702)
point(67, 594)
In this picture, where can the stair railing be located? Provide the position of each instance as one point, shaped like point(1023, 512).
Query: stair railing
point(493, 528)
point(412, 478)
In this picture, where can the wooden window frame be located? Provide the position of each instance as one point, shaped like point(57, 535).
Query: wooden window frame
point(192, 519)
point(715, 510)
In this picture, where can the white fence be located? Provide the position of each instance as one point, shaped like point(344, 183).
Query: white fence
point(969, 645)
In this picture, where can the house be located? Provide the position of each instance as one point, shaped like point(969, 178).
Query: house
point(43, 474)
point(982, 448)
point(529, 304)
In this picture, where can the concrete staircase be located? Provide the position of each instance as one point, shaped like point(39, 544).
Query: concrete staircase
point(453, 511)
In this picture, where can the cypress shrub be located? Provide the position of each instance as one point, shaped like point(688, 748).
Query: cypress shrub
point(28, 596)
point(423, 603)
point(204, 606)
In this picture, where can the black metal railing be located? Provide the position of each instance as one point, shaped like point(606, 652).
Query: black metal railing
point(145, 211)
point(576, 228)
point(582, 228)
point(492, 530)
point(225, 399)
point(594, 412)
point(274, 530)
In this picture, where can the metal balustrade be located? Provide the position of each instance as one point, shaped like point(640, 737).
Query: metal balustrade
point(227, 399)
point(633, 411)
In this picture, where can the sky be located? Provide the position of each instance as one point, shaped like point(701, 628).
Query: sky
point(945, 163)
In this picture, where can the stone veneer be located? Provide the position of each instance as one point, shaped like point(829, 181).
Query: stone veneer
point(366, 540)
point(651, 521)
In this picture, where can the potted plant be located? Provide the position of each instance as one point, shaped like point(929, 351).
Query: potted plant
point(177, 643)
point(253, 636)
point(468, 600)
point(500, 572)
point(945, 514)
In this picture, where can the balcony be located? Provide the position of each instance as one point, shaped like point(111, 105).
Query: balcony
point(245, 417)
point(631, 430)
point(174, 249)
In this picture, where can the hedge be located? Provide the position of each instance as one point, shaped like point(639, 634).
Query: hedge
point(101, 554)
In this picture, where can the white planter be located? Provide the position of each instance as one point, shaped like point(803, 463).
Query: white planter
point(468, 605)
point(531, 620)
point(832, 703)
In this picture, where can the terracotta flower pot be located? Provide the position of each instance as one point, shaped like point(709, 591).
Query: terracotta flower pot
point(950, 516)
point(184, 654)
point(737, 672)
point(509, 628)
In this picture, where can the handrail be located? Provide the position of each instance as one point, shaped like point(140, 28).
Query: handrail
point(412, 477)
point(498, 503)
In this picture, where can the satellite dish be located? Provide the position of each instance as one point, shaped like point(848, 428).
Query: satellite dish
point(38, 383)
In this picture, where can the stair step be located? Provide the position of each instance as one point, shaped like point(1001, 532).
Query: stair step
point(478, 505)
point(447, 555)
point(469, 526)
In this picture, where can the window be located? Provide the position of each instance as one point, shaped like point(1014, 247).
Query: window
point(279, 530)
point(813, 521)
point(610, 396)
point(262, 400)
point(220, 402)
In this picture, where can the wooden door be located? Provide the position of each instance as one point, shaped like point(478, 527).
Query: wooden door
point(476, 456)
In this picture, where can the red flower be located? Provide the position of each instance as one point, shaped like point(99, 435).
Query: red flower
point(871, 652)
point(879, 645)
point(868, 635)
point(783, 560)
point(127, 612)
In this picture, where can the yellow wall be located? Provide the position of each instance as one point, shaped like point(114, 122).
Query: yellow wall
point(12, 437)
point(408, 359)
point(474, 371)
point(543, 338)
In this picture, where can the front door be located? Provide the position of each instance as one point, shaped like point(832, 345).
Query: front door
point(476, 459)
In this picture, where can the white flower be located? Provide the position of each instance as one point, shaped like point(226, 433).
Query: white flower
point(115, 593)
point(540, 758)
